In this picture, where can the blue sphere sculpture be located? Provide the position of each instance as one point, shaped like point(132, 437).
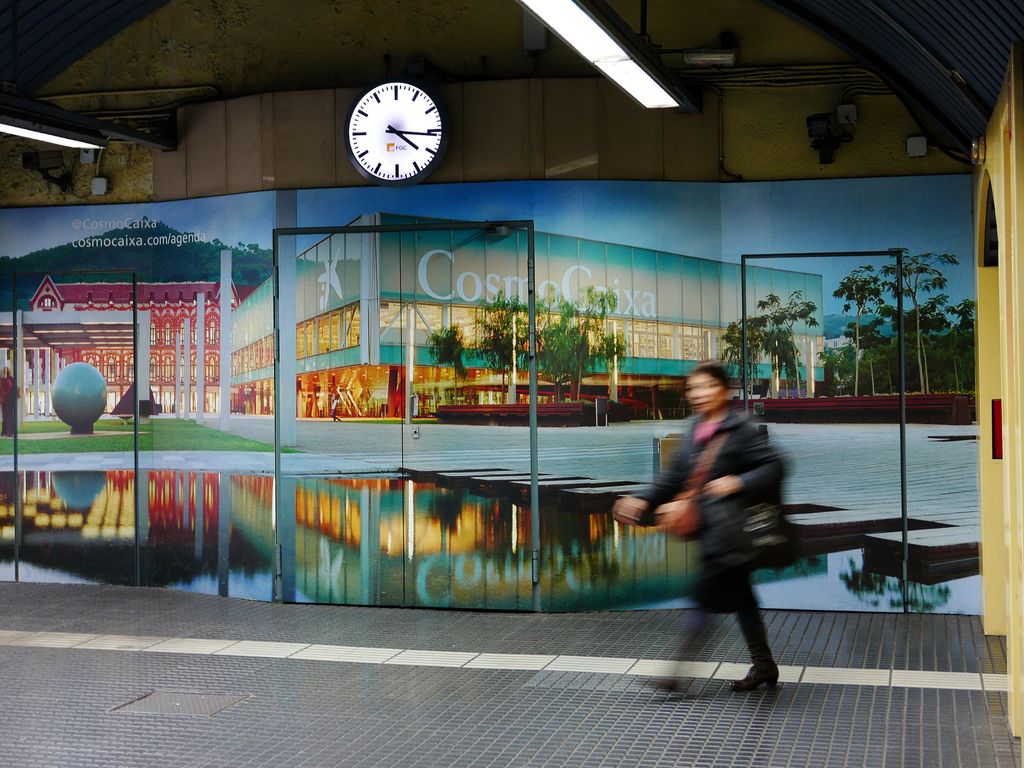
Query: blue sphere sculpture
point(79, 397)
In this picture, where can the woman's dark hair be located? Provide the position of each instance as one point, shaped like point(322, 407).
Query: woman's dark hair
point(714, 369)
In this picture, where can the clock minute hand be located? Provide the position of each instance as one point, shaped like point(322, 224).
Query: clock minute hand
point(406, 139)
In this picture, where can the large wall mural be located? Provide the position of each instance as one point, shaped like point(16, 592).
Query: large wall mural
point(406, 352)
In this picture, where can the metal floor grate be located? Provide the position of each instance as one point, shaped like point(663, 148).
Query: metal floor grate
point(173, 703)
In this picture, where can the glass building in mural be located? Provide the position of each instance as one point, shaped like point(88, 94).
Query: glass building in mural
point(356, 296)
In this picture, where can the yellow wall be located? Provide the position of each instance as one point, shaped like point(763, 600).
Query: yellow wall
point(989, 388)
point(1002, 372)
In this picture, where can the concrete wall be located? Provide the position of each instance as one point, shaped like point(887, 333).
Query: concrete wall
point(502, 130)
point(259, 89)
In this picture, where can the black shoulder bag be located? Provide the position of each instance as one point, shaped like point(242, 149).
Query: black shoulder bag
point(772, 537)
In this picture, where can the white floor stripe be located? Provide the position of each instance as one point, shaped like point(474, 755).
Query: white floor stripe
point(509, 661)
point(994, 682)
point(663, 668)
point(790, 674)
point(729, 670)
point(51, 639)
point(346, 653)
point(431, 658)
point(970, 681)
point(120, 643)
point(609, 665)
point(845, 676)
point(269, 650)
point(190, 645)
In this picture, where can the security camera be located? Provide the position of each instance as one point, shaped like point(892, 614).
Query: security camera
point(819, 126)
point(826, 135)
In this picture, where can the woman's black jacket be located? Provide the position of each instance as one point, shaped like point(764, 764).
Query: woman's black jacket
point(747, 454)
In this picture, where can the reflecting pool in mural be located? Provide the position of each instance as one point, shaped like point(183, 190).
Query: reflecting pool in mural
point(387, 540)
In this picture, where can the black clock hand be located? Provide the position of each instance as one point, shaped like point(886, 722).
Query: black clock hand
point(397, 132)
point(433, 132)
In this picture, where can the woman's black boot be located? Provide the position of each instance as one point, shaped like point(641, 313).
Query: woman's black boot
point(765, 670)
point(755, 677)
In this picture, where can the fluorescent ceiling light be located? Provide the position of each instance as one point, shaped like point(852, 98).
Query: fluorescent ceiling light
point(641, 86)
point(578, 29)
point(49, 135)
point(41, 121)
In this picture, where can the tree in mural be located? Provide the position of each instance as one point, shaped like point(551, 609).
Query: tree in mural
point(880, 591)
point(612, 347)
point(874, 349)
point(861, 290)
point(574, 339)
point(777, 323)
point(501, 328)
point(959, 345)
point(837, 365)
point(922, 275)
point(447, 346)
point(732, 348)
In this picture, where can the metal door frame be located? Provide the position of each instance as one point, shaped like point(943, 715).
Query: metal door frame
point(434, 226)
point(893, 253)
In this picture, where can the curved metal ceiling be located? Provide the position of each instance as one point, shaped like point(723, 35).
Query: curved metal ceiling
point(945, 58)
point(41, 38)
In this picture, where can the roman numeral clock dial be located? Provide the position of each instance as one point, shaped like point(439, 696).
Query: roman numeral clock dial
point(396, 133)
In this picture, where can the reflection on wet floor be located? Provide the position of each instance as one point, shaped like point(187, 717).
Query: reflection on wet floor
point(438, 542)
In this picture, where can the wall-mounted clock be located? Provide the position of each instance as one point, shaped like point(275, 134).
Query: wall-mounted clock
point(396, 133)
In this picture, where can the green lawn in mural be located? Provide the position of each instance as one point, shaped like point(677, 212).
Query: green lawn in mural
point(114, 435)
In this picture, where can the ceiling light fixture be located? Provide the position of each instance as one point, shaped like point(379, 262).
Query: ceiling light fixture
point(721, 55)
point(597, 33)
point(710, 57)
point(50, 134)
point(39, 121)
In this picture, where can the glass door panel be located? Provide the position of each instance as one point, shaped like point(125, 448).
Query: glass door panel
point(840, 427)
point(618, 327)
point(385, 498)
point(466, 438)
point(340, 524)
point(74, 380)
point(208, 450)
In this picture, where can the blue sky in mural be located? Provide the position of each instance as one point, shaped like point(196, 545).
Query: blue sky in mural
point(930, 213)
point(923, 214)
point(673, 217)
point(231, 219)
point(708, 220)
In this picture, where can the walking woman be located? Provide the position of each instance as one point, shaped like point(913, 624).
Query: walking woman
point(726, 463)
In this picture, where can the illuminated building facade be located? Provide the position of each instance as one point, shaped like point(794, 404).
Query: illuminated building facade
point(170, 307)
point(356, 298)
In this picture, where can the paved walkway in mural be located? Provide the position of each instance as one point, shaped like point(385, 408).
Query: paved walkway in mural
point(852, 467)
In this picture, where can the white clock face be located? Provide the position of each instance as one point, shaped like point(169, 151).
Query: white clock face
point(396, 133)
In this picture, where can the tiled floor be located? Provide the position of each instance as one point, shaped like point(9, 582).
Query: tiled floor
point(105, 676)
